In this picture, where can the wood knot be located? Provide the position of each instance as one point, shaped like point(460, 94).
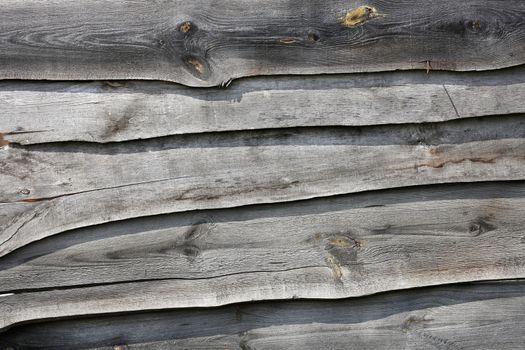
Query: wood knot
point(360, 16)
point(343, 248)
point(190, 251)
point(474, 229)
point(480, 226)
point(313, 37)
point(475, 25)
point(412, 323)
point(190, 246)
point(344, 242)
point(185, 27)
point(197, 66)
point(24, 191)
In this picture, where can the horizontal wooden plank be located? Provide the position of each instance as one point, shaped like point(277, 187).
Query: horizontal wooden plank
point(201, 44)
point(449, 317)
point(50, 189)
point(325, 248)
point(348, 246)
point(119, 111)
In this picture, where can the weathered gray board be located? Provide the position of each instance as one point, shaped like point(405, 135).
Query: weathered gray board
point(205, 43)
point(324, 248)
point(52, 188)
point(276, 187)
point(477, 316)
point(364, 241)
point(130, 110)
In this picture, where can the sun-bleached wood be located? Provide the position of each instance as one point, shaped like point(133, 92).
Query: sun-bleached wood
point(127, 110)
point(198, 43)
point(50, 189)
point(469, 316)
point(368, 242)
point(136, 206)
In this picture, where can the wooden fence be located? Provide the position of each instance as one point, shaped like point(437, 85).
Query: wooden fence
point(176, 174)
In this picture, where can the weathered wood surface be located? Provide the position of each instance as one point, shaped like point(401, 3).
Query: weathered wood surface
point(121, 198)
point(366, 241)
point(119, 111)
point(50, 189)
point(325, 248)
point(471, 316)
point(199, 43)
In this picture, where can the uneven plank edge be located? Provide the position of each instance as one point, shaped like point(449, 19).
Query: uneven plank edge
point(452, 317)
point(240, 176)
point(370, 242)
point(127, 110)
point(200, 44)
point(165, 294)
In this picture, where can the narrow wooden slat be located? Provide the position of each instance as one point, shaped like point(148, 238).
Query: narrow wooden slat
point(472, 316)
point(201, 44)
point(349, 246)
point(119, 111)
point(50, 189)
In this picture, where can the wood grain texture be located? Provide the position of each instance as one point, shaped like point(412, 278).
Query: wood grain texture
point(50, 189)
point(325, 248)
point(127, 110)
point(199, 43)
point(470, 316)
point(368, 229)
point(134, 212)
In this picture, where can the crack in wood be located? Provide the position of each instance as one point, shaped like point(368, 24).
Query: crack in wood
point(43, 199)
point(162, 279)
point(438, 164)
point(36, 213)
point(452, 102)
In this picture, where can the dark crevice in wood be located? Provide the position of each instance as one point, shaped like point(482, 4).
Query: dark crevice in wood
point(112, 111)
point(238, 87)
point(432, 134)
point(138, 280)
point(25, 132)
point(320, 205)
point(451, 101)
point(238, 319)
